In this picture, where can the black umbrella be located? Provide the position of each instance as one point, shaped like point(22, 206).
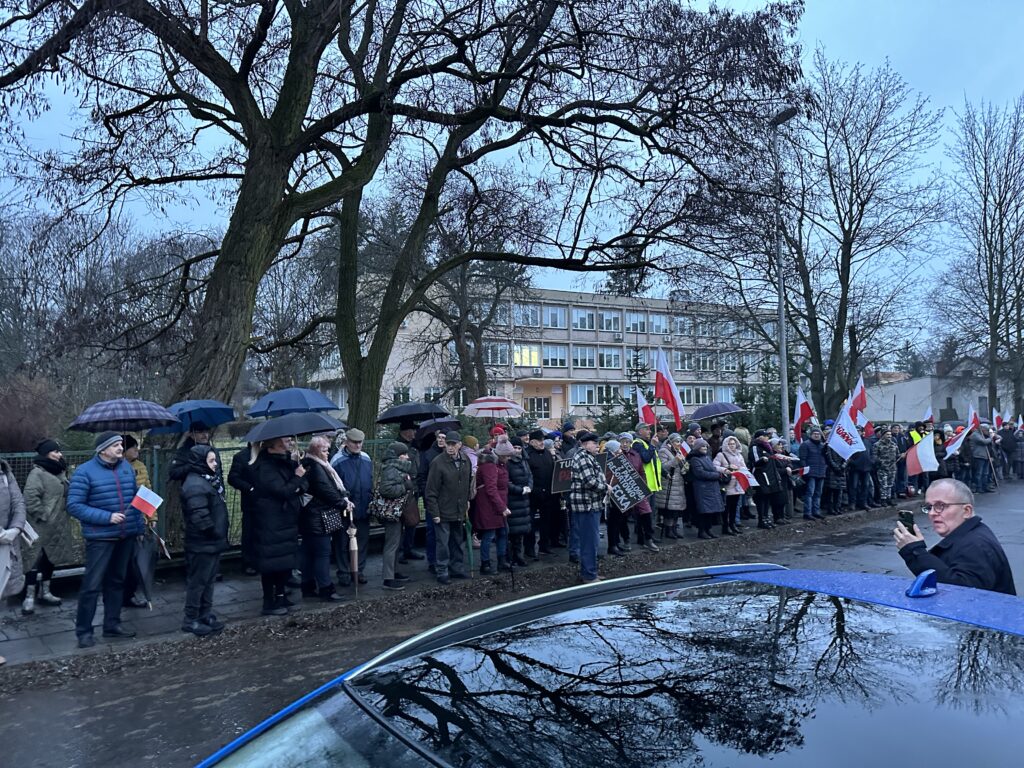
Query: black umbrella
point(293, 424)
point(411, 412)
point(147, 552)
point(430, 427)
point(713, 410)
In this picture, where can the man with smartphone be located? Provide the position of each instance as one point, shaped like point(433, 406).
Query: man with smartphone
point(968, 554)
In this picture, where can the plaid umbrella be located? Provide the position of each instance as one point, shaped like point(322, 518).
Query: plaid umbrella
point(123, 415)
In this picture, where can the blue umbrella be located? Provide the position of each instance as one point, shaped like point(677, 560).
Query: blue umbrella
point(291, 400)
point(292, 424)
point(123, 415)
point(208, 412)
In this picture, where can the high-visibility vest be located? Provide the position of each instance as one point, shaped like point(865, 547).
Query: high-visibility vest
point(652, 469)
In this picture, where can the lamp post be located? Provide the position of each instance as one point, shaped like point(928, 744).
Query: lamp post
point(785, 115)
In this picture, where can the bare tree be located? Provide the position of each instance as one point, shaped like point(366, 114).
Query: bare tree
point(857, 214)
point(616, 109)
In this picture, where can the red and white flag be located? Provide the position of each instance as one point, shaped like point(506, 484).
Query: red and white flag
point(928, 418)
point(803, 414)
point(684, 448)
point(644, 409)
point(844, 438)
point(997, 419)
point(665, 389)
point(973, 420)
point(801, 471)
point(865, 423)
point(921, 458)
point(858, 400)
point(146, 501)
point(954, 444)
point(745, 480)
point(869, 429)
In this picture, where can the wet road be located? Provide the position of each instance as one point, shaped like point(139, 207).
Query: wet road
point(173, 715)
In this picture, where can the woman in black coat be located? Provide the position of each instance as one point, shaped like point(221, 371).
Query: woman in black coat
point(770, 493)
point(205, 516)
point(325, 493)
point(280, 483)
point(706, 478)
point(241, 479)
point(520, 522)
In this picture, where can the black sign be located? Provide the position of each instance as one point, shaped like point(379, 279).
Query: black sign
point(626, 487)
point(561, 478)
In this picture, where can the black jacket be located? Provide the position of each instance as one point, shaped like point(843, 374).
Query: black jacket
point(519, 477)
point(542, 467)
point(204, 512)
point(179, 467)
point(278, 503)
point(426, 457)
point(241, 478)
point(765, 468)
point(326, 495)
point(970, 556)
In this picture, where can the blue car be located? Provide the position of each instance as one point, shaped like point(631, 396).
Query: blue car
point(727, 666)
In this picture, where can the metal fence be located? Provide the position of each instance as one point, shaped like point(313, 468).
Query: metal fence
point(158, 460)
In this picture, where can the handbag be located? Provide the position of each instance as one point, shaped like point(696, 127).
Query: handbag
point(411, 512)
point(332, 520)
point(386, 510)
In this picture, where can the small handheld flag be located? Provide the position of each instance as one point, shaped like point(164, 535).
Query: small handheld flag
point(745, 480)
point(146, 501)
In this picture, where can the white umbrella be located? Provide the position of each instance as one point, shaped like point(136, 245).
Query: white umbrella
point(494, 408)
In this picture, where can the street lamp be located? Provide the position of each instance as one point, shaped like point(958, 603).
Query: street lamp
point(784, 116)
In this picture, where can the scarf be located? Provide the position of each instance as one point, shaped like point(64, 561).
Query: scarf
point(331, 472)
point(51, 466)
point(216, 482)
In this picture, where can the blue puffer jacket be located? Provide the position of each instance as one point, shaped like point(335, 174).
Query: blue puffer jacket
point(356, 472)
point(98, 490)
point(812, 455)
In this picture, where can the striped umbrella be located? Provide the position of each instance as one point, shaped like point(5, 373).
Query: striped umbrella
point(494, 408)
point(123, 415)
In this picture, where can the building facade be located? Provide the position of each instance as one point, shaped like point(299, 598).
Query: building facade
point(563, 354)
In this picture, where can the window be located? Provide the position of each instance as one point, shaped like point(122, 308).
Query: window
point(609, 357)
point(639, 358)
point(583, 394)
point(538, 407)
point(555, 356)
point(729, 329)
point(495, 353)
point(527, 315)
point(610, 321)
point(751, 362)
point(501, 312)
point(526, 355)
point(432, 394)
point(584, 357)
point(554, 317)
point(706, 361)
point(730, 361)
point(727, 394)
point(697, 395)
point(607, 394)
point(584, 319)
point(705, 326)
point(460, 399)
point(682, 359)
point(657, 323)
point(636, 322)
point(771, 329)
point(684, 325)
point(401, 395)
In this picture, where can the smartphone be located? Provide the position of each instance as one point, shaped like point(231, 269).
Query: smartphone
point(907, 518)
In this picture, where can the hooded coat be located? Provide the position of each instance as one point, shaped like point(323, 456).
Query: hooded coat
point(46, 490)
point(731, 455)
point(836, 479)
point(12, 515)
point(203, 510)
point(278, 503)
point(491, 493)
point(672, 496)
point(707, 490)
point(519, 477)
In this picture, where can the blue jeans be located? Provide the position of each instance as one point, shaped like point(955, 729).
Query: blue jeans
point(812, 495)
point(106, 562)
point(316, 560)
point(574, 536)
point(858, 488)
point(500, 538)
point(586, 525)
point(981, 472)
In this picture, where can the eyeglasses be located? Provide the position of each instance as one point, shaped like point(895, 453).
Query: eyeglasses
point(941, 506)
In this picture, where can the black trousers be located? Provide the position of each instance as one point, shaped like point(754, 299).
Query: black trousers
point(200, 576)
point(106, 562)
point(274, 583)
point(551, 525)
point(618, 527)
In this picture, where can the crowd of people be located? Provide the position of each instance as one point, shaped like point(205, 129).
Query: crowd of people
point(306, 513)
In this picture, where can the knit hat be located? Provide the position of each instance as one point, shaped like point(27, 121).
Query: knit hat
point(829, 422)
point(399, 448)
point(106, 439)
point(355, 435)
point(568, 427)
point(693, 427)
point(612, 446)
point(49, 445)
point(497, 430)
point(624, 436)
point(517, 442)
point(470, 442)
point(675, 437)
point(504, 449)
point(548, 444)
point(641, 425)
point(130, 442)
point(537, 434)
point(699, 443)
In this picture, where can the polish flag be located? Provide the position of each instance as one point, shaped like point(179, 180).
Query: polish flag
point(801, 471)
point(684, 448)
point(863, 421)
point(802, 415)
point(973, 420)
point(954, 445)
point(146, 501)
point(644, 409)
point(869, 429)
point(928, 418)
point(844, 439)
point(859, 400)
point(665, 389)
point(745, 480)
point(997, 419)
point(921, 458)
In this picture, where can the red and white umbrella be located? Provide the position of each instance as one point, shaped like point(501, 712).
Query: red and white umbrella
point(494, 408)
